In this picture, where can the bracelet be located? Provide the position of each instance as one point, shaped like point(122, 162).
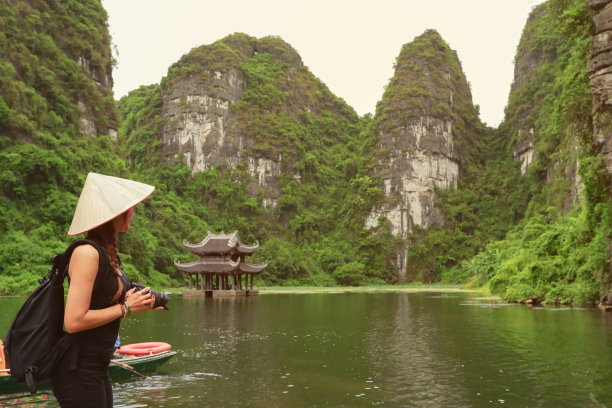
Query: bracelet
point(123, 310)
point(129, 309)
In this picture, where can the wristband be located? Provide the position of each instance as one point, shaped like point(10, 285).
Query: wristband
point(129, 312)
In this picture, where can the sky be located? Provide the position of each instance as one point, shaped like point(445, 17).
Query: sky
point(350, 45)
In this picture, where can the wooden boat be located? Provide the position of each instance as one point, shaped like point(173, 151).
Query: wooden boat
point(118, 368)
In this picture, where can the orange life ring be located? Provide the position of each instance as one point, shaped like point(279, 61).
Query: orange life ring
point(2, 358)
point(141, 349)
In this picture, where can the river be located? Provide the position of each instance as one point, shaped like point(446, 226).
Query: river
point(367, 349)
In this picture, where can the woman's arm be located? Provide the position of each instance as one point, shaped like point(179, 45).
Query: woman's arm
point(83, 270)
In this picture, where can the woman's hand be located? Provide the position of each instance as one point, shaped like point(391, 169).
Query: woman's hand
point(139, 300)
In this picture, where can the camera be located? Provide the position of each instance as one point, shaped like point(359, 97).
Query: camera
point(161, 298)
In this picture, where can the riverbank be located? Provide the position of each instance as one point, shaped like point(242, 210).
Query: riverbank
point(362, 289)
point(408, 288)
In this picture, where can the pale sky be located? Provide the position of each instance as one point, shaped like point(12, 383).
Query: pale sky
point(350, 45)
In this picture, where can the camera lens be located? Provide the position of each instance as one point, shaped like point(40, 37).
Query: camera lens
point(161, 298)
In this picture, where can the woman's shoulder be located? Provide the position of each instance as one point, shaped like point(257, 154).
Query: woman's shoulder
point(85, 251)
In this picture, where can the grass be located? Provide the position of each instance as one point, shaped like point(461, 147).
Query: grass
point(362, 289)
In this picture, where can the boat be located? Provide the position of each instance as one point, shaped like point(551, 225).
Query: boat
point(121, 366)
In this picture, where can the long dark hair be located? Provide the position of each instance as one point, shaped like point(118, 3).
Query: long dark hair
point(106, 236)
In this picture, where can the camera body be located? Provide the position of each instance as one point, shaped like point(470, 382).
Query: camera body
point(161, 298)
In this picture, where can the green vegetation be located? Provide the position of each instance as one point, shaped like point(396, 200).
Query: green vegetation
point(559, 252)
point(44, 156)
point(544, 235)
point(550, 256)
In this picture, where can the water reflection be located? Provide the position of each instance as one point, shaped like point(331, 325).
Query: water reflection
point(360, 349)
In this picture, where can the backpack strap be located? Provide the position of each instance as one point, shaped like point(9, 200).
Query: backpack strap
point(64, 259)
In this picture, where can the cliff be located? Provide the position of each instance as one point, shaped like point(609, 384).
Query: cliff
point(426, 125)
point(522, 109)
point(247, 138)
point(560, 251)
point(64, 61)
point(533, 113)
point(599, 67)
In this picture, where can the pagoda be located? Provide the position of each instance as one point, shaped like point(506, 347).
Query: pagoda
point(220, 266)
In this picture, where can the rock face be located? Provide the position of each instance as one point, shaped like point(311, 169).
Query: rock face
point(200, 124)
point(524, 151)
point(528, 59)
point(104, 82)
point(416, 124)
point(605, 302)
point(540, 58)
point(599, 67)
point(197, 121)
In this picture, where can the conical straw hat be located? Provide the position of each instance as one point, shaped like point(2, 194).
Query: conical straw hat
point(103, 198)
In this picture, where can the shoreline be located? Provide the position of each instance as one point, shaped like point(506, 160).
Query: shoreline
point(362, 289)
point(407, 288)
point(271, 290)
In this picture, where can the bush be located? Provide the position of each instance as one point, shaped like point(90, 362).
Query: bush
point(350, 274)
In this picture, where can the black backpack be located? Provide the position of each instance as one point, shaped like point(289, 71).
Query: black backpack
point(36, 340)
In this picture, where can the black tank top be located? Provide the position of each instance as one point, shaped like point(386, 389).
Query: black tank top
point(105, 288)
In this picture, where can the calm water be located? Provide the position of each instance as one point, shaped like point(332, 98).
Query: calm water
point(360, 349)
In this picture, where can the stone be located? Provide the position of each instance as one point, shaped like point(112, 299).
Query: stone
point(605, 303)
point(597, 4)
point(524, 150)
point(603, 17)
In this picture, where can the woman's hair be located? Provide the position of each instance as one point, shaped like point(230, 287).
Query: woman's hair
point(106, 236)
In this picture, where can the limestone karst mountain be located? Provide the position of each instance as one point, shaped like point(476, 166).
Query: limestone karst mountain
point(426, 124)
point(249, 102)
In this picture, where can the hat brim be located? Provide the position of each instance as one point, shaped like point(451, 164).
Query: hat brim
point(104, 198)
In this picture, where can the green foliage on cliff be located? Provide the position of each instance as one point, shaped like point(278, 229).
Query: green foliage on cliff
point(553, 258)
point(550, 256)
point(43, 154)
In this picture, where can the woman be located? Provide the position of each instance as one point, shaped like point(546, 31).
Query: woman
point(98, 295)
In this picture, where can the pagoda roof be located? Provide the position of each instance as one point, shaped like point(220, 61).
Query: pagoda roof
point(207, 266)
point(243, 249)
point(220, 244)
point(251, 268)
